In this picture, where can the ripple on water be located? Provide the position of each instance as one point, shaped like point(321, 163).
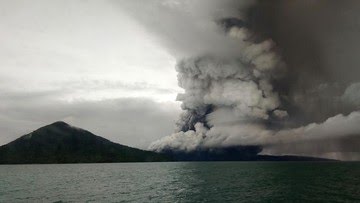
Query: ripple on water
point(182, 182)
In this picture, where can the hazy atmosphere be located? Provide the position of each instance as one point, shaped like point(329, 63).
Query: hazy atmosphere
point(86, 63)
point(184, 75)
point(180, 101)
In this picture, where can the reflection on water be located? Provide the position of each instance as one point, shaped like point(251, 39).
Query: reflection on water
point(182, 182)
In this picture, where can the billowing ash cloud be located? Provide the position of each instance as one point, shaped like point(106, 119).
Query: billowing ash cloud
point(222, 93)
point(257, 73)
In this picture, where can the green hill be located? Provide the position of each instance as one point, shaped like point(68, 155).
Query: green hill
point(62, 143)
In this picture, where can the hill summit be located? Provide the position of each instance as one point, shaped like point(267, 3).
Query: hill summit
point(60, 142)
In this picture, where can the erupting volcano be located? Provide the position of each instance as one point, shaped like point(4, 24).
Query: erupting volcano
point(248, 84)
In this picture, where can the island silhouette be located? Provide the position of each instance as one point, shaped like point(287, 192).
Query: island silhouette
point(60, 142)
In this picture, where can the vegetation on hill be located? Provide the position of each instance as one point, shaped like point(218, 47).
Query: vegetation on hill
point(62, 143)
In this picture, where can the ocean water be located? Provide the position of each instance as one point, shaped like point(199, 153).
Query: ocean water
point(182, 182)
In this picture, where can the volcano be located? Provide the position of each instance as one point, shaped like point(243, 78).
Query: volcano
point(60, 142)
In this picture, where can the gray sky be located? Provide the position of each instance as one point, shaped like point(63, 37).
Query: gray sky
point(108, 67)
point(86, 63)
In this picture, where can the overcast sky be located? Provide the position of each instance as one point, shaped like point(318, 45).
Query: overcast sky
point(86, 63)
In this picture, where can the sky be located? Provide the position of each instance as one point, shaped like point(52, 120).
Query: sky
point(280, 74)
point(86, 63)
point(185, 75)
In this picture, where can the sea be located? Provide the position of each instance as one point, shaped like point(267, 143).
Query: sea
point(182, 182)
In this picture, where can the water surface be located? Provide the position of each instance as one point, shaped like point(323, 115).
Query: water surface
point(182, 182)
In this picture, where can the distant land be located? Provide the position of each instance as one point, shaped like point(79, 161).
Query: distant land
point(60, 142)
point(236, 153)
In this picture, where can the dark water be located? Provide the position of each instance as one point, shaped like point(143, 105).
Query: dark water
point(182, 182)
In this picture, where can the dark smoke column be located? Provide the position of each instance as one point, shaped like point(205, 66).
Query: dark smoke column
point(228, 99)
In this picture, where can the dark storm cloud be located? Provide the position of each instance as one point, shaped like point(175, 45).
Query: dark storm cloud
point(319, 41)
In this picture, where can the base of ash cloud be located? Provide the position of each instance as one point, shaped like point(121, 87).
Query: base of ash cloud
point(237, 153)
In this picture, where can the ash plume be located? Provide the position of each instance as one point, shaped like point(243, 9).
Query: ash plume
point(260, 73)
